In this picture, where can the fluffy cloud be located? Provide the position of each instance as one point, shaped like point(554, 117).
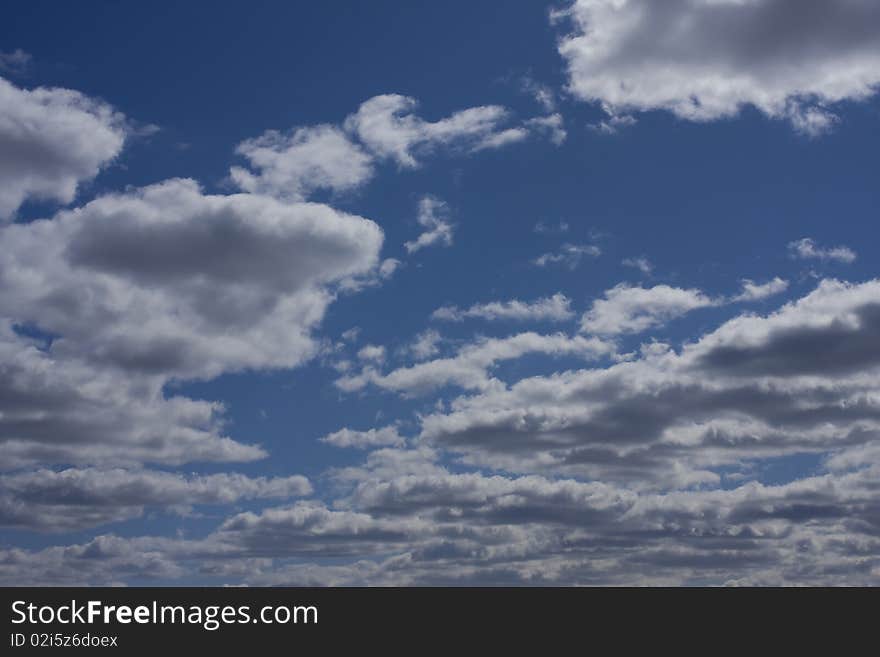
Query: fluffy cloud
point(365, 439)
point(168, 280)
point(554, 309)
point(752, 291)
point(159, 284)
point(293, 166)
point(425, 344)
point(342, 158)
point(372, 352)
point(62, 410)
point(433, 217)
point(74, 499)
point(51, 140)
point(706, 59)
point(628, 309)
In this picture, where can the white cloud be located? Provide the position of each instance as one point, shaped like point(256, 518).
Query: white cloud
point(628, 309)
point(752, 291)
point(800, 380)
point(152, 286)
point(641, 263)
point(469, 368)
point(293, 166)
point(51, 140)
point(372, 352)
point(569, 255)
point(425, 344)
point(433, 217)
point(169, 280)
point(705, 59)
point(806, 248)
point(387, 126)
point(386, 436)
point(556, 308)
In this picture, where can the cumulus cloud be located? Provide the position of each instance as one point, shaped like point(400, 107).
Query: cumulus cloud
point(706, 59)
point(58, 410)
point(807, 249)
point(51, 141)
point(168, 280)
point(295, 165)
point(752, 291)
point(626, 309)
point(154, 285)
point(433, 216)
point(556, 308)
point(569, 255)
point(365, 439)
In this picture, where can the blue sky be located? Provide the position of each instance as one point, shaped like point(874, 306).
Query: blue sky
point(662, 220)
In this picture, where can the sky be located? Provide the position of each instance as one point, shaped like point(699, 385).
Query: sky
point(462, 293)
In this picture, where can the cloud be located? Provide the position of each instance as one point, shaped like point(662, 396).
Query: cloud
point(365, 439)
point(51, 141)
point(60, 410)
point(308, 159)
point(552, 125)
point(642, 264)
point(388, 127)
point(570, 255)
point(469, 367)
point(704, 60)
point(425, 344)
point(76, 499)
point(16, 62)
point(372, 352)
point(438, 527)
point(433, 217)
point(800, 380)
point(153, 286)
point(168, 280)
point(752, 291)
point(541, 93)
point(342, 158)
point(556, 308)
point(628, 309)
point(544, 227)
point(806, 249)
